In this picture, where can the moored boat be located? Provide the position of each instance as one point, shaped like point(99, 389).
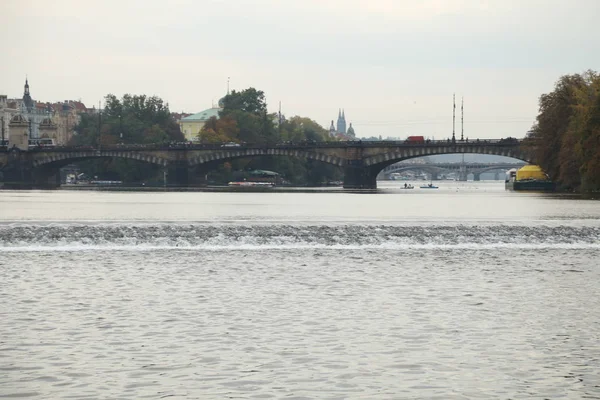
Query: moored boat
point(250, 184)
point(528, 178)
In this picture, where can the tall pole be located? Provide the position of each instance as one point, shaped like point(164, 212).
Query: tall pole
point(228, 85)
point(99, 123)
point(462, 115)
point(453, 117)
point(2, 119)
point(279, 127)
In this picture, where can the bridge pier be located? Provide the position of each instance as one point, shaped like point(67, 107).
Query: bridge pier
point(17, 172)
point(46, 179)
point(176, 175)
point(476, 177)
point(359, 178)
point(17, 176)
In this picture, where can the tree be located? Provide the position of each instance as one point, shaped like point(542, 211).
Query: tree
point(134, 119)
point(219, 130)
point(249, 109)
point(298, 129)
point(248, 100)
point(566, 136)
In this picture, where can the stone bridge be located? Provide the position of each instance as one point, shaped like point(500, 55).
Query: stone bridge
point(463, 169)
point(361, 161)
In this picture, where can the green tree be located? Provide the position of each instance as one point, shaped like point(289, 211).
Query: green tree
point(248, 100)
point(249, 109)
point(298, 129)
point(566, 136)
point(134, 119)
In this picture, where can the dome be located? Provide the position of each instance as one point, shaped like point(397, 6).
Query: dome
point(221, 102)
point(351, 130)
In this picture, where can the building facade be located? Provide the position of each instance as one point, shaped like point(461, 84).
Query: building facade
point(44, 120)
point(192, 124)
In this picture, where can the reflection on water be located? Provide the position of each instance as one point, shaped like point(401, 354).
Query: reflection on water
point(465, 293)
point(454, 201)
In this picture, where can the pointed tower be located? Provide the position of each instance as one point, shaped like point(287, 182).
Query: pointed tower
point(341, 122)
point(27, 100)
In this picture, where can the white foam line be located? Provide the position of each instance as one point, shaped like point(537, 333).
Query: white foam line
point(275, 247)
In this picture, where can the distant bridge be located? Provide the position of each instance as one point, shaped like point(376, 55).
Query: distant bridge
point(461, 168)
point(360, 160)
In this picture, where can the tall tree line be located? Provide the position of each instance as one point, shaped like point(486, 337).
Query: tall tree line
point(566, 136)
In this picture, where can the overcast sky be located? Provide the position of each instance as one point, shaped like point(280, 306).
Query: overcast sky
point(393, 65)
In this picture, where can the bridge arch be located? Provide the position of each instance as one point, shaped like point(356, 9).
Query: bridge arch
point(58, 159)
point(406, 153)
point(374, 164)
point(226, 155)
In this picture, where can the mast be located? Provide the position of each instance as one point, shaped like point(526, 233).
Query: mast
point(453, 117)
point(462, 115)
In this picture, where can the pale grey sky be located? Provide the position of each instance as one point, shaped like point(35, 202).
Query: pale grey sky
point(391, 64)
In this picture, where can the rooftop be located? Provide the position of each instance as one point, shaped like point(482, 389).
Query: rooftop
point(203, 115)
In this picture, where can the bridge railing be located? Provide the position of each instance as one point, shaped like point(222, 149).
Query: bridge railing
point(291, 145)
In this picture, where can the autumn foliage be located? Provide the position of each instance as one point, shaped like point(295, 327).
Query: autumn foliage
point(567, 132)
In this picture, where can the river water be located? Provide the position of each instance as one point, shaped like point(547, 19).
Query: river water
point(465, 292)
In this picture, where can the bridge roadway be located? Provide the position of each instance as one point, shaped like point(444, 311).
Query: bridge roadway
point(462, 168)
point(360, 160)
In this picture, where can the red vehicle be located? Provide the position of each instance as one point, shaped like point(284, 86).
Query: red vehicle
point(415, 139)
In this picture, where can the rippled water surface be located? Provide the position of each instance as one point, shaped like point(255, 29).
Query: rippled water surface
point(462, 293)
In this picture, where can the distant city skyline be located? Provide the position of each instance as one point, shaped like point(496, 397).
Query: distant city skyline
point(392, 65)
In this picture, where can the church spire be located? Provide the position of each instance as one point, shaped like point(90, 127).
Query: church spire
point(341, 122)
point(27, 100)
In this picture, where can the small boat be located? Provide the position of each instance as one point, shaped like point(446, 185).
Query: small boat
point(429, 186)
point(251, 184)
